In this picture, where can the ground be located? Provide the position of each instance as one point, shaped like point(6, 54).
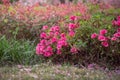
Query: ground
point(54, 72)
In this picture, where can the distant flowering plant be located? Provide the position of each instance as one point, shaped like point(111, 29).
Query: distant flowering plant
point(54, 39)
point(105, 40)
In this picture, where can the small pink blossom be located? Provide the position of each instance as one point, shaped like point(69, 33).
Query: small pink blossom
point(48, 54)
point(72, 26)
point(43, 35)
point(73, 18)
point(73, 50)
point(118, 30)
point(62, 35)
point(103, 31)
point(102, 38)
point(71, 33)
point(113, 38)
point(105, 44)
point(117, 34)
point(94, 35)
point(45, 27)
point(39, 49)
point(54, 40)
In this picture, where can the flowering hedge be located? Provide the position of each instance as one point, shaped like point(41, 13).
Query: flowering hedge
point(26, 21)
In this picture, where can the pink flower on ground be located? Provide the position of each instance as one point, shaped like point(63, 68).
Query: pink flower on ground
point(113, 38)
point(71, 33)
point(102, 38)
point(94, 35)
point(43, 35)
point(73, 18)
point(105, 44)
point(73, 50)
point(103, 31)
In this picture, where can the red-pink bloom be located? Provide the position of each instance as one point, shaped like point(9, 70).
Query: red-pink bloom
point(118, 18)
point(73, 50)
point(94, 35)
point(116, 23)
point(62, 35)
point(113, 38)
point(39, 49)
point(73, 18)
point(54, 39)
point(105, 44)
point(117, 34)
point(43, 35)
point(57, 28)
point(47, 54)
point(103, 31)
point(45, 27)
point(72, 33)
point(56, 33)
point(49, 49)
point(102, 38)
point(118, 30)
point(72, 26)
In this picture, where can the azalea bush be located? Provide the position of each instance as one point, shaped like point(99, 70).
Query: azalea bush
point(26, 21)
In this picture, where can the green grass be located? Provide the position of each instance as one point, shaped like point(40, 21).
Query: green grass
point(49, 71)
point(17, 51)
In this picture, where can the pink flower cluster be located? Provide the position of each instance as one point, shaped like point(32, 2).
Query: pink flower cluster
point(53, 40)
point(101, 37)
point(115, 36)
point(72, 26)
point(117, 21)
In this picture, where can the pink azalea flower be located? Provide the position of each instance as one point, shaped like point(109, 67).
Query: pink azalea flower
point(57, 28)
point(56, 33)
point(39, 49)
point(73, 18)
point(45, 27)
point(118, 18)
point(94, 35)
point(113, 38)
point(72, 33)
point(48, 54)
point(62, 35)
point(105, 44)
point(59, 46)
point(118, 30)
point(102, 38)
point(49, 48)
point(103, 31)
point(73, 50)
point(72, 26)
point(117, 34)
point(54, 40)
point(43, 35)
